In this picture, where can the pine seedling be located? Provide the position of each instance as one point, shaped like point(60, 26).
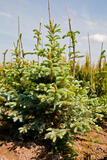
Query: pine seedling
point(37, 36)
point(72, 46)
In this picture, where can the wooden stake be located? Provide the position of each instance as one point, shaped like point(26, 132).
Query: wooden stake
point(19, 34)
point(101, 47)
point(21, 50)
point(38, 41)
point(4, 59)
point(71, 38)
point(90, 60)
point(49, 12)
point(69, 28)
point(67, 9)
point(18, 26)
point(73, 45)
point(100, 58)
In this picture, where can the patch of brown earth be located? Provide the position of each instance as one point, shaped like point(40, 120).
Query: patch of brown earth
point(92, 146)
point(5, 154)
point(24, 151)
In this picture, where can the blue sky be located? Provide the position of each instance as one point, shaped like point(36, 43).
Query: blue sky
point(88, 16)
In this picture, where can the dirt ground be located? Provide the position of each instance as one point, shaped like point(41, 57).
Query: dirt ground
point(92, 146)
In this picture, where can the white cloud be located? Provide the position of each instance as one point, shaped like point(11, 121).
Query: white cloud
point(99, 37)
point(5, 14)
point(96, 37)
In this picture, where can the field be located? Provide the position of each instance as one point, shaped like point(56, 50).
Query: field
point(53, 107)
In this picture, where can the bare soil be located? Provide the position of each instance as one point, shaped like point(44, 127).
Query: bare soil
point(92, 146)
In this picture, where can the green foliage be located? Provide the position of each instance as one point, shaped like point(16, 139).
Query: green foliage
point(101, 76)
point(103, 103)
point(44, 100)
point(72, 49)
